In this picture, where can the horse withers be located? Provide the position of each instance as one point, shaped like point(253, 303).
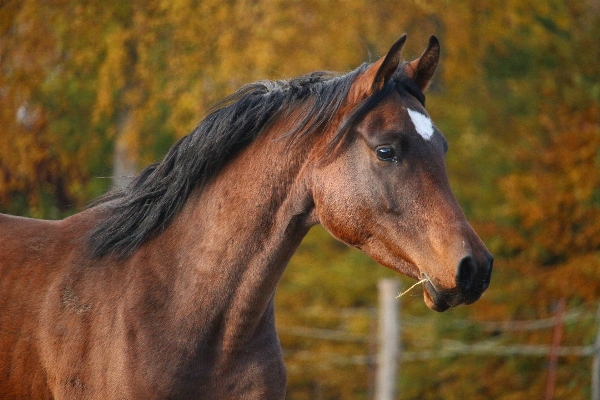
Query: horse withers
point(164, 289)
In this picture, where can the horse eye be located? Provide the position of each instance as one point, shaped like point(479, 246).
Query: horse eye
point(386, 153)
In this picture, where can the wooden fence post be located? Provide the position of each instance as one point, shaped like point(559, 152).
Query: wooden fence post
point(596, 360)
point(389, 334)
point(553, 362)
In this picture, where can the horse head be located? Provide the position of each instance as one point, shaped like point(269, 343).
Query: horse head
point(385, 189)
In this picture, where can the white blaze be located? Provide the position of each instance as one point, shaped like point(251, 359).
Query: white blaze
point(422, 123)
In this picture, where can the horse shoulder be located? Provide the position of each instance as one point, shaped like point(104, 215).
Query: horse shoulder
point(22, 243)
point(35, 258)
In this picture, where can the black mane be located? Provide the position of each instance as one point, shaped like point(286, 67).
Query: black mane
point(147, 205)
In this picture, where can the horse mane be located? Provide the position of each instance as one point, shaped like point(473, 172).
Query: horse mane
point(148, 204)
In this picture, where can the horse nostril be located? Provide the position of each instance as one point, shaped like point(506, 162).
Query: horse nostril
point(488, 278)
point(466, 273)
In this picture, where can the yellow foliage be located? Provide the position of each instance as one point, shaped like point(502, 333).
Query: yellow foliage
point(516, 94)
point(556, 197)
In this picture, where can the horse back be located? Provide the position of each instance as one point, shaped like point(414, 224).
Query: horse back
point(26, 245)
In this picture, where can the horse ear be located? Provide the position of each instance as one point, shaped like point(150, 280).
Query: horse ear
point(378, 73)
point(422, 69)
point(389, 64)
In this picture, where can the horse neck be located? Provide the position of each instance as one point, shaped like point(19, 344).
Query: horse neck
point(235, 237)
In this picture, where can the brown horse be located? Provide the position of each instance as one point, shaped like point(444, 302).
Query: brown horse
point(165, 289)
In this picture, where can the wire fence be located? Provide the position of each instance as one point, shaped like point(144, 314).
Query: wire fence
point(451, 348)
point(499, 331)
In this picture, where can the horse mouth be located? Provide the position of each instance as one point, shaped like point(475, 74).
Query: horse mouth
point(441, 301)
point(433, 299)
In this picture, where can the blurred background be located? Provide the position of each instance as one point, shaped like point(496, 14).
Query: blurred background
point(91, 90)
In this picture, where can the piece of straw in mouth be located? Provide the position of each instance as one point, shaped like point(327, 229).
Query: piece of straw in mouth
point(412, 287)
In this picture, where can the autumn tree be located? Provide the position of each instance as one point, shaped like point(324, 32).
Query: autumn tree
point(95, 90)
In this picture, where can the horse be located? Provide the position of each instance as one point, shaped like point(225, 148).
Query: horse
point(164, 288)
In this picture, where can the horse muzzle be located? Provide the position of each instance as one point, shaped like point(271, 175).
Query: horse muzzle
point(472, 279)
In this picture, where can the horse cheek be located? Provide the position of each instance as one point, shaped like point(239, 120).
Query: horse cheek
point(342, 215)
